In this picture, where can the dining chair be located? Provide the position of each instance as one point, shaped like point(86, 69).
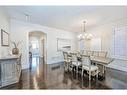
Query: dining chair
point(81, 51)
point(67, 60)
point(74, 61)
point(92, 70)
point(102, 54)
point(78, 54)
point(84, 53)
point(89, 53)
point(95, 53)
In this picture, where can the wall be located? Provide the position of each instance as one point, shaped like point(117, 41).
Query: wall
point(105, 32)
point(5, 25)
point(95, 44)
point(20, 29)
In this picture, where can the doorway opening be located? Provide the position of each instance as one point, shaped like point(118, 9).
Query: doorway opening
point(37, 48)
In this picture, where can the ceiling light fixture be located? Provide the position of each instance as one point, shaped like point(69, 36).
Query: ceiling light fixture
point(84, 35)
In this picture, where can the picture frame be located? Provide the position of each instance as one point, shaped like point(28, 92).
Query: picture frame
point(4, 38)
point(63, 44)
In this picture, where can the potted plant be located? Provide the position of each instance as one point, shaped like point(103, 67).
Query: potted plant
point(15, 50)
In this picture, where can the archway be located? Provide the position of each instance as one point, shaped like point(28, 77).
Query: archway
point(37, 47)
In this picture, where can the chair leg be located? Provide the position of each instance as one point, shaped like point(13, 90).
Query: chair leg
point(77, 69)
point(103, 72)
point(68, 66)
point(89, 75)
point(97, 75)
point(65, 66)
point(77, 72)
point(82, 72)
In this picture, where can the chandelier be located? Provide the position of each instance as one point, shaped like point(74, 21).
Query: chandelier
point(84, 35)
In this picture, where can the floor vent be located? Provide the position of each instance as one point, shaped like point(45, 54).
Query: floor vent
point(56, 67)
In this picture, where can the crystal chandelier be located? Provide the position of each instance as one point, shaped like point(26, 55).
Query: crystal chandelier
point(84, 35)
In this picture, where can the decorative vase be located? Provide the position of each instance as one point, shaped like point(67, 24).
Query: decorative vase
point(15, 51)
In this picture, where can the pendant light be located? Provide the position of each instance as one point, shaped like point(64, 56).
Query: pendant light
point(84, 35)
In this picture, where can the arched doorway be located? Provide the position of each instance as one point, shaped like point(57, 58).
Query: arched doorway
point(37, 48)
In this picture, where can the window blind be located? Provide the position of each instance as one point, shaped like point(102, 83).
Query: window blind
point(120, 43)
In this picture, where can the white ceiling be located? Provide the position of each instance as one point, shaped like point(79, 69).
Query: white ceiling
point(68, 18)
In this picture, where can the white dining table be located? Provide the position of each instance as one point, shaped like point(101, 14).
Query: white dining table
point(101, 60)
point(104, 61)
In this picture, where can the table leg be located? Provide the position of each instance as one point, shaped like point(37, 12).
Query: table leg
point(0, 75)
point(104, 68)
point(101, 70)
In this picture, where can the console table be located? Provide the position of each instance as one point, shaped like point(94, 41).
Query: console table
point(10, 69)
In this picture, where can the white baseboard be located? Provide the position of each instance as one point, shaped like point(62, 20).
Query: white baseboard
point(119, 65)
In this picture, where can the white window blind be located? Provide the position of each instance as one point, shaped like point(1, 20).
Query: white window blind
point(120, 43)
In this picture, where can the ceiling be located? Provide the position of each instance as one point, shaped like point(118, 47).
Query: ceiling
point(68, 18)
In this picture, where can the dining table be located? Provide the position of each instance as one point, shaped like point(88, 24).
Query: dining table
point(97, 60)
point(103, 61)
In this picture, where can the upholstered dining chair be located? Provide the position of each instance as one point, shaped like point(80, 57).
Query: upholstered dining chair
point(84, 53)
point(92, 70)
point(81, 51)
point(95, 53)
point(78, 54)
point(89, 53)
point(67, 60)
point(75, 62)
point(102, 54)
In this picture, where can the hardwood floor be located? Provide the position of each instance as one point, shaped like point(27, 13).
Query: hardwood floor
point(53, 76)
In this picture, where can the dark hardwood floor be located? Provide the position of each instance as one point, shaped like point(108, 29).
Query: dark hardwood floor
point(53, 76)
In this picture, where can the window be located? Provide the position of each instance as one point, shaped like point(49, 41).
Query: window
point(82, 45)
point(35, 44)
point(120, 43)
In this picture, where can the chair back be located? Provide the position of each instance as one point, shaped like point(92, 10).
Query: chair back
point(85, 52)
point(86, 60)
point(78, 54)
point(90, 53)
point(74, 57)
point(102, 54)
point(65, 54)
point(81, 51)
point(95, 53)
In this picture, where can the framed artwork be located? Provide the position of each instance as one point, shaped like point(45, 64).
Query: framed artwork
point(4, 38)
point(63, 44)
